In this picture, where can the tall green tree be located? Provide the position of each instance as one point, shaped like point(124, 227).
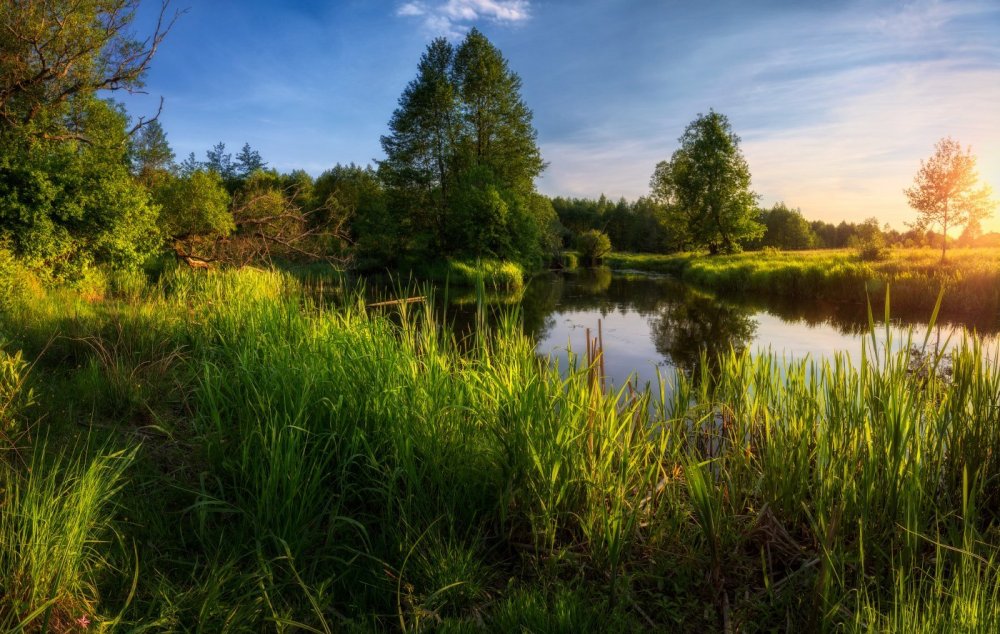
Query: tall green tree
point(705, 187)
point(497, 131)
point(420, 149)
point(785, 228)
point(67, 197)
point(248, 161)
point(461, 158)
point(219, 161)
point(151, 154)
point(945, 191)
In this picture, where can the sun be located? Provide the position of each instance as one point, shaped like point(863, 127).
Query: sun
point(989, 174)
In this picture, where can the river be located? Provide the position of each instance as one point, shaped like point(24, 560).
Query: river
point(651, 322)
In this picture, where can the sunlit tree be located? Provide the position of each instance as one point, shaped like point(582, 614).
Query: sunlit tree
point(945, 191)
point(705, 187)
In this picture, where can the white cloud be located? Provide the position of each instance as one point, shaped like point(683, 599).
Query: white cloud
point(452, 18)
point(411, 9)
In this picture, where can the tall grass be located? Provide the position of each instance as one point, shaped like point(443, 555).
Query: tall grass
point(971, 277)
point(336, 468)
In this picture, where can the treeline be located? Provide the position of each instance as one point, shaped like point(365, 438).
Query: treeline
point(643, 226)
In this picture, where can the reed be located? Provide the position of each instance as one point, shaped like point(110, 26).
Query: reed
point(302, 463)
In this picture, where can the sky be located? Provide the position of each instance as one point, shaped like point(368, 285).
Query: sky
point(836, 102)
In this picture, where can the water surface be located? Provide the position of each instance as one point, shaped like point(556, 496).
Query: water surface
point(650, 322)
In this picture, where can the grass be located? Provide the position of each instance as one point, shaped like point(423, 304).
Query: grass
point(970, 277)
point(494, 275)
point(268, 462)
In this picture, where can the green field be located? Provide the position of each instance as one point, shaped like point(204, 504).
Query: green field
point(970, 278)
point(219, 452)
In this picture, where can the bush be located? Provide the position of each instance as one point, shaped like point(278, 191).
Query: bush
point(567, 261)
point(17, 283)
point(871, 249)
point(593, 245)
point(869, 242)
point(15, 398)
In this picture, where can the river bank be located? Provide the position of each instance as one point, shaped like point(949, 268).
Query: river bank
point(970, 277)
point(218, 450)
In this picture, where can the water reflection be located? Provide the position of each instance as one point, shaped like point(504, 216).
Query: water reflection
point(656, 322)
point(693, 323)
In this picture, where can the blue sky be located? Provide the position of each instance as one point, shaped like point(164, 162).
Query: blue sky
point(836, 101)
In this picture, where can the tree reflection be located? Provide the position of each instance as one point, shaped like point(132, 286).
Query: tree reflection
point(693, 322)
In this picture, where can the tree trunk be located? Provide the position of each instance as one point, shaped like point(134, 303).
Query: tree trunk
point(944, 232)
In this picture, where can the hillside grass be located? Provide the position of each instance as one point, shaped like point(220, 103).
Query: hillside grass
point(970, 277)
point(219, 452)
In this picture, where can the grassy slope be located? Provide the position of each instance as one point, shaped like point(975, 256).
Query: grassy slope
point(250, 460)
point(971, 277)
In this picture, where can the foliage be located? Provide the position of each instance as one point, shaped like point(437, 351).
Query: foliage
point(67, 199)
point(151, 156)
point(944, 191)
point(785, 228)
point(248, 161)
point(54, 54)
point(868, 241)
point(461, 159)
point(331, 467)
point(705, 187)
point(637, 226)
point(593, 246)
point(67, 204)
point(195, 205)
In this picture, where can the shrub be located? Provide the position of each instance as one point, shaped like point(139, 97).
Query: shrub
point(593, 245)
point(14, 396)
point(567, 261)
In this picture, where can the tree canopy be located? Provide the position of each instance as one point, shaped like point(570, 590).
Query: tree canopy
point(67, 194)
point(945, 191)
point(461, 159)
point(705, 187)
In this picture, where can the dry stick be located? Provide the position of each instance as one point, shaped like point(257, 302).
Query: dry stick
point(600, 347)
point(393, 302)
point(590, 384)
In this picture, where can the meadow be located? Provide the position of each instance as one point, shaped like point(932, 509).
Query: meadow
point(225, 451)
point(969, 277)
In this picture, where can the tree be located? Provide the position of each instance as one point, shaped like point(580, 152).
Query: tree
point(189, 165)
point(944, 191)
point(248, 161)
point(67, 204)
point(151, 154)
point(354, 197)
point(497, 131)
point(706, 187)
point(420, 148)
point(67, 197)
point(869, 241)
point(54, 52)
point(194, 206)
point(461, 158)
point(593, 245)
point(218, 161)
point(786, 228)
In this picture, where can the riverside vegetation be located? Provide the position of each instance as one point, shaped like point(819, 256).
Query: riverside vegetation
point(221, 452)
point(970, 278)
